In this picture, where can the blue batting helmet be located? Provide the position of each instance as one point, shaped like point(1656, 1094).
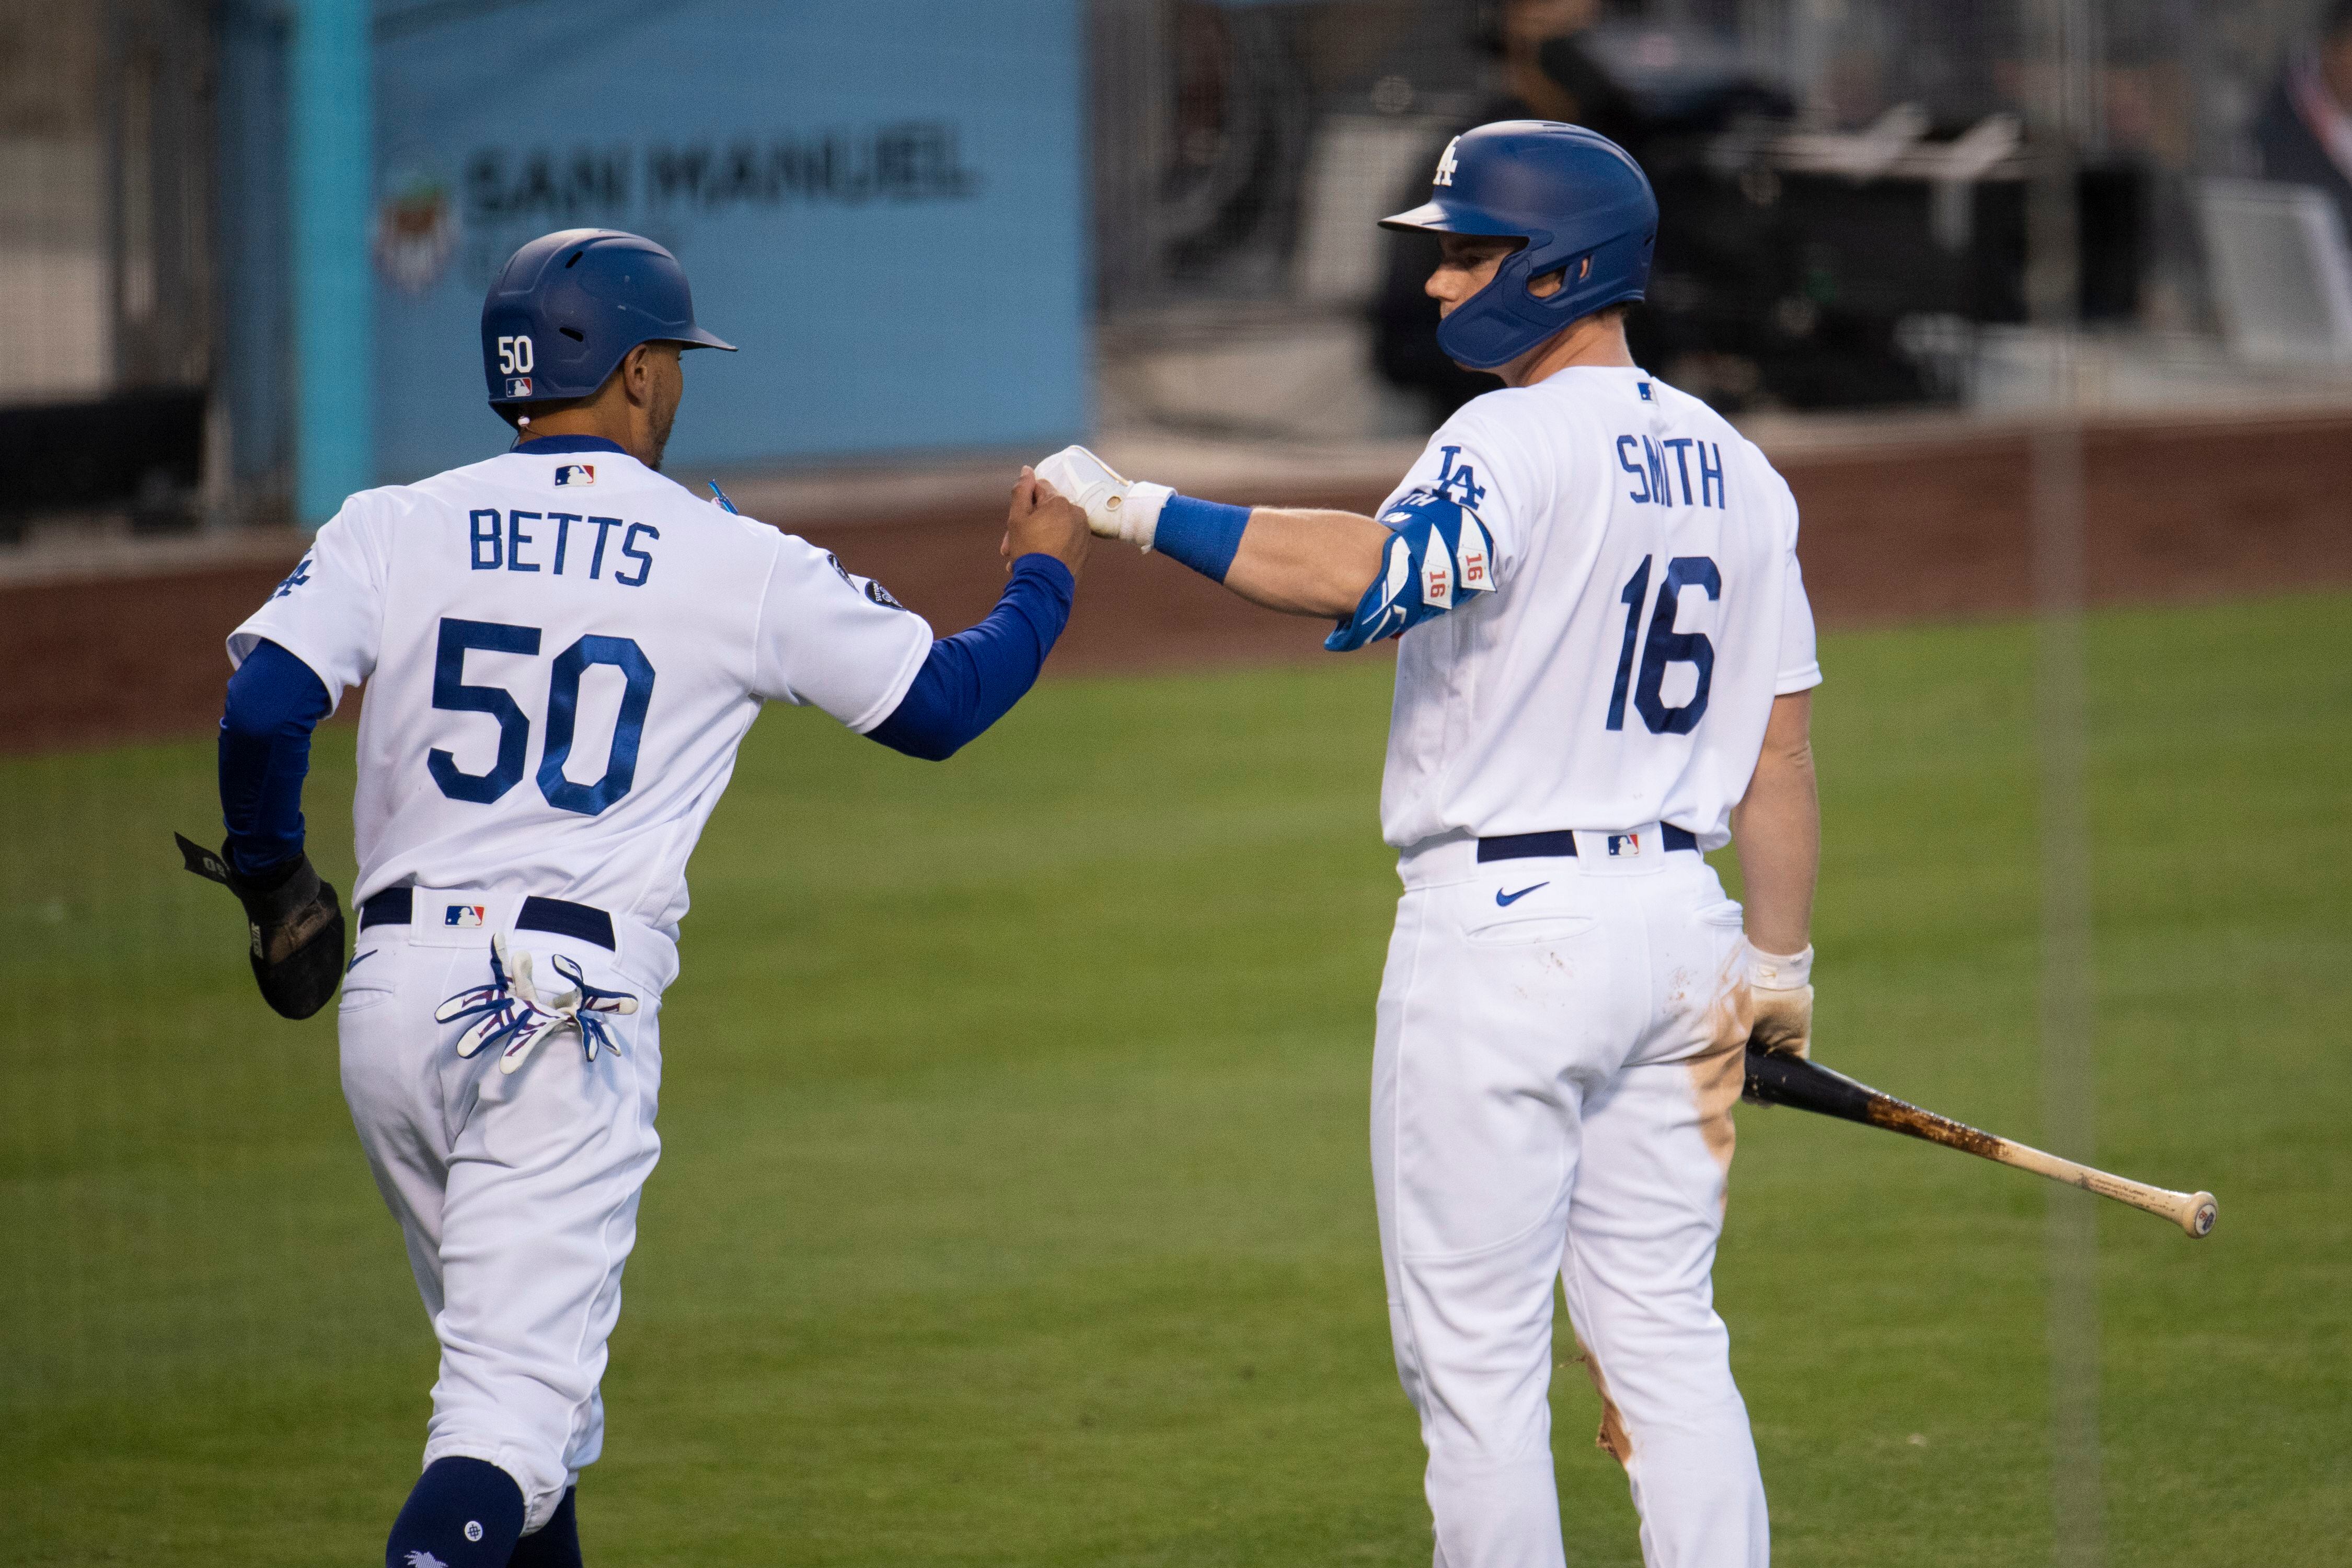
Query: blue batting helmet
point(569, 305)
point(1577, 198)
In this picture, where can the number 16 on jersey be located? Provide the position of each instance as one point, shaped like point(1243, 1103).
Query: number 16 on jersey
point(1664, 646)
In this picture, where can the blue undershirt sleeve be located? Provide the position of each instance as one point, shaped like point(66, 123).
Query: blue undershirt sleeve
point(275, 700)
point(972, 679)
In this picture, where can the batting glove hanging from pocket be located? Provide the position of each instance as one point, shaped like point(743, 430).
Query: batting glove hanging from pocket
point(511, 1013)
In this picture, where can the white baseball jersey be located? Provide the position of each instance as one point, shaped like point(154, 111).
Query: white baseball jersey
point(1648, 607)
point(562, 651)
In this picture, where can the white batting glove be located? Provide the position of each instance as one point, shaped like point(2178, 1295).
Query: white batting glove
point(1783, 993)
point(1115, 506)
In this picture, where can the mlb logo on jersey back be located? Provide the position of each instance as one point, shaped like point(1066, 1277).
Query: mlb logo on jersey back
point(575, 473)
point(1624, 844)
point(464, 916)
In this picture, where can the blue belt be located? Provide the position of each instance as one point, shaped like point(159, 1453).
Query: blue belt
point(1534, 846)
point(396, 906)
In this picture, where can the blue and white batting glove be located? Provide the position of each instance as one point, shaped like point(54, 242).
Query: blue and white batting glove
point(511, 1014)
point(1115, 506)
point(583, 1001)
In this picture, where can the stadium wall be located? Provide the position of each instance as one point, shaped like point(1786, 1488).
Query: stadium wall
point(1906, 527)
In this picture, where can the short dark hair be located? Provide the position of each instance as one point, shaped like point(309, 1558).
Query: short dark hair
point(2337, 20)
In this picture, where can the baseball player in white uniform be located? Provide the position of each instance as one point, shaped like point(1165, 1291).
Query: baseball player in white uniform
point(1604, 670)
point(563, 650)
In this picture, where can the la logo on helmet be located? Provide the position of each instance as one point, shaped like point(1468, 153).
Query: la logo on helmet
point(1446, 165)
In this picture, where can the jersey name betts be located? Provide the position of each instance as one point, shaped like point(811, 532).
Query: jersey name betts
point(559, 675)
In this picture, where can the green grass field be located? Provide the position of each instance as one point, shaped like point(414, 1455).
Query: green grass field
point(1015, 1206)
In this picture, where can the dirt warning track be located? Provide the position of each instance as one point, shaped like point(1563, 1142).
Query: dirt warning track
point(1897, 527)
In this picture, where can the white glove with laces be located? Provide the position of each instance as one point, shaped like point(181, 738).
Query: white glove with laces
point(511, 1014)
point(1783, 993)
point(1115, 506)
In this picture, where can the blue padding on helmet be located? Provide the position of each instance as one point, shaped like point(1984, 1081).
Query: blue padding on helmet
point(1439, 556)
point(1579, 200)
point(568, 305)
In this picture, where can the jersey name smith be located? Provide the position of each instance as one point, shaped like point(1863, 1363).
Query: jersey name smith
point(1647, 608)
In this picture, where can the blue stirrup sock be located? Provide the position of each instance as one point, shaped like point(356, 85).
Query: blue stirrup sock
point(464, 1514)
point(1202, 535)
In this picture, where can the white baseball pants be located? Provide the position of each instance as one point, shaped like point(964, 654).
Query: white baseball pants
point(517, 1193)
point(1559, 1046)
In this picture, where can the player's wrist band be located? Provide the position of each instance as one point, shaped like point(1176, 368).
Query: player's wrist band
point(1779, 972)
point(1202, 535)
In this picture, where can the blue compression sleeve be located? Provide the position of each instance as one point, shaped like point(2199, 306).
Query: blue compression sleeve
point(972, 679)
point(274, 702)
point(1202, 535)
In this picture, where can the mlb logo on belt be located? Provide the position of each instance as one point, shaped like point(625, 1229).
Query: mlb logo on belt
point(463, 915)
point(518, 386)
point(1624, 844)
point(575, 473)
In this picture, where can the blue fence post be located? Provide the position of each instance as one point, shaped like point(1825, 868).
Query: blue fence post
point(334, 297)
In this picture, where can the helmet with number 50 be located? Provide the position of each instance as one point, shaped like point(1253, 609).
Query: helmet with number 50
point(568, 305)
point(1581, 203)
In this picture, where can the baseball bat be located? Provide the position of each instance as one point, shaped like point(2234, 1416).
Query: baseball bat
point(1775, 1078)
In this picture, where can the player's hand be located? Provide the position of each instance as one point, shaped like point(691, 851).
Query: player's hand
point(1044, 523)
point(294, 923)
point(1781, 993)
point(1115, 506)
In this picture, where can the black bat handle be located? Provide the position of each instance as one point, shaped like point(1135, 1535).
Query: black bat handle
point(1775, 1078)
